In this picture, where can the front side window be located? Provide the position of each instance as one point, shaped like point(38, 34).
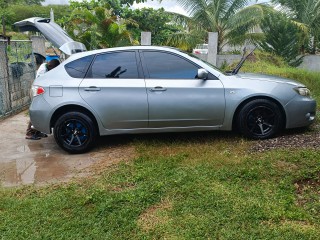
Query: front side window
point(163, 65)
point(114, 65)
point(79, 67)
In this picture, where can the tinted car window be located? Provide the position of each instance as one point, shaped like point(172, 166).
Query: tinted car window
point(79, 67)
point(168, 66)
point(114, 65)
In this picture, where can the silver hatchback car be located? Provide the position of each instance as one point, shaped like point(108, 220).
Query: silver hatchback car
point(144, 89)
point(155, 89)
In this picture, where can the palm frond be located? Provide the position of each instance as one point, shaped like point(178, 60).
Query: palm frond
point(192, 6)
point(244, 16)
point(183, 40)
point(184, 21)
point(233, 7)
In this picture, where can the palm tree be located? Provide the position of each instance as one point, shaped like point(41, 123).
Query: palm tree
point(233, 20)
point(306, 14)
point(95, 25)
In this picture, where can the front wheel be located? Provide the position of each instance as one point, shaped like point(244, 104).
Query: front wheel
point(260, 119)
point(75, 132)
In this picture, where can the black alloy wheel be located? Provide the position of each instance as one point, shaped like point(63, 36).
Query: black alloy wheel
point(260, 119)
point(75, 132)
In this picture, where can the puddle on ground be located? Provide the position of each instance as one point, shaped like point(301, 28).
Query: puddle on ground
point(30, 164)
point(42, 162)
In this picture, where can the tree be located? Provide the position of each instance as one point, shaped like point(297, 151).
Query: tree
point(20, 12)
point(306, 15)
point(155, 21)
point(7, 3)
point(5, 13)
point(232, 19)
point(95, 24)
point(118, 6)
point(32, 2)
point(130, 2)
point(281, 37)
point(8, 9)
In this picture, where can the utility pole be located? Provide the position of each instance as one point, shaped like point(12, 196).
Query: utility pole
point(212, 48)
point(51, 15)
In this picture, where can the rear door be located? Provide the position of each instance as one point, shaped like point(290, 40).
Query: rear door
point(115, 89)
point(176, 97)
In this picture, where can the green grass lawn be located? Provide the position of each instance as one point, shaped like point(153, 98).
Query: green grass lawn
point(207, 185)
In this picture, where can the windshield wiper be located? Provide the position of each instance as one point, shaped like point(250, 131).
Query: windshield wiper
point(243, 59)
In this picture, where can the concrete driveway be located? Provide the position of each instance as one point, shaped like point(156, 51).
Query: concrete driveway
point(42, 161)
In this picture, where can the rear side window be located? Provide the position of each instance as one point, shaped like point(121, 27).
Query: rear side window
point(79, 67)
point(114, 65)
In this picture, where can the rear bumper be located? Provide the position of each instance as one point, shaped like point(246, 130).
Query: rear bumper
point(301, 112)
point(40, 114)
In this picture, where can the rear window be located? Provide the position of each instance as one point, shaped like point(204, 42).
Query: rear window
point(79, 67)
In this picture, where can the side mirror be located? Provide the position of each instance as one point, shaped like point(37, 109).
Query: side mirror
point(202, 74)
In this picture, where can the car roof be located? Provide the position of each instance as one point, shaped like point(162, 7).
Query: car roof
point(98, 51)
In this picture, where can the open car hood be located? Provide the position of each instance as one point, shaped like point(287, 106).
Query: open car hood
point(53, 33)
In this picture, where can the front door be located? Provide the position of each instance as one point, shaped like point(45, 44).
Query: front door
point(176, 97)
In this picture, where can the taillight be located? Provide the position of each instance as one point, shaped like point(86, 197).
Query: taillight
point(37, 90)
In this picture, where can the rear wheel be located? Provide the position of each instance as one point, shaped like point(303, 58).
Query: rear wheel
point(260, 119)
point(75, 132)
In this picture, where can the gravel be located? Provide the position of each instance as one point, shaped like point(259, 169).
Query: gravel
point(291, 139)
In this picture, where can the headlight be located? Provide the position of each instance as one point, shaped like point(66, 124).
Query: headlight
point(303, 91)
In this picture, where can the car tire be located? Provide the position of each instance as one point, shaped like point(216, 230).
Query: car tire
point(260, 119)
point(75, 132)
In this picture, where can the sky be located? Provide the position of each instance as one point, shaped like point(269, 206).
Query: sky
point(168, 5)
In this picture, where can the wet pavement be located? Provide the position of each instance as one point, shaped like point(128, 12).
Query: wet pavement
point(41, 161)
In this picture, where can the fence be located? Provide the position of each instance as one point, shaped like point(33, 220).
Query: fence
point(17, 71)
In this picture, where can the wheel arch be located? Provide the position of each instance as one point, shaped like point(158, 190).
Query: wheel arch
point(72, 108)
point(240, 106)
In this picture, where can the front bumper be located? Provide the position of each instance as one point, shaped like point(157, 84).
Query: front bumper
point(301, 112)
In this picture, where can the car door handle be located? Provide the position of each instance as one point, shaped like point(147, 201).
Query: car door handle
point(158, 89)
point(92, 88)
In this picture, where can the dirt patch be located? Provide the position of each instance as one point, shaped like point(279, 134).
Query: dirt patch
point(286, 166)
point(123, 187)
point(303, 225)
point(308, 190)
point(155, 215)
point(109, 156)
